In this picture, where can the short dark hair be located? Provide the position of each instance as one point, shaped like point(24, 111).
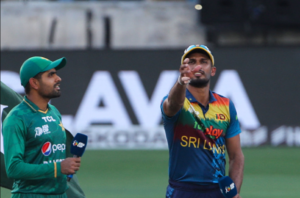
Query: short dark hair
point(27, 87)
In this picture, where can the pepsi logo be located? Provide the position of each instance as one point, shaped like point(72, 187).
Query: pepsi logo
point(46, 149)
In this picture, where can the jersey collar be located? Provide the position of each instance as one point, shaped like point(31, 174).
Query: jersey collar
point(33, 106)
point(191, 98)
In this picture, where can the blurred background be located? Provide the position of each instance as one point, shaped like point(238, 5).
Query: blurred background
point(123, 58)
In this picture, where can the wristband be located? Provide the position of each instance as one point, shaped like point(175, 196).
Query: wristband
point(179, 80)
point(55, 170)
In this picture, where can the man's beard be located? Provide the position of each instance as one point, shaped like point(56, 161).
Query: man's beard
point(50, 95)
point(53, 94)
point(199, 83)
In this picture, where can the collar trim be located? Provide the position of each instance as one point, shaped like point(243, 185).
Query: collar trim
point(34, 109)
point(29, 105)
point(44, 111)
point(191, 98)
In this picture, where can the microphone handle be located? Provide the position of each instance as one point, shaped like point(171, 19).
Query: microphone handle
point(69, 177)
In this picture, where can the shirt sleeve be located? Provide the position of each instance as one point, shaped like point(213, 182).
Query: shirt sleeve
point(234, 125)
point(168, 119)
point(14, 138)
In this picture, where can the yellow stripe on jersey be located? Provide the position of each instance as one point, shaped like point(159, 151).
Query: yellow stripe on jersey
point(43, 111)
point(29, 105)
point(34, 108)
point(55, 170)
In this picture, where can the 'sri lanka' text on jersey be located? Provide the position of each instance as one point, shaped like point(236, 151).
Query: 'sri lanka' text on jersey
point(196, 138)
point(34, 144)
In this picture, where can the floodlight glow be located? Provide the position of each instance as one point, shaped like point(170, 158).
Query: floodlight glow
point(198, 7)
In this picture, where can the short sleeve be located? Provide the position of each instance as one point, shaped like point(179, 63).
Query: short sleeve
point(166, 118)
point(234, 126)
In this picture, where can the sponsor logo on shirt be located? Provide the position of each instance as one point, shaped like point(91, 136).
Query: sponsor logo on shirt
point(213, 133)
point(55, 160)
point(46, 149)
point(58, 147)
point(42, 130)
point(48, 119)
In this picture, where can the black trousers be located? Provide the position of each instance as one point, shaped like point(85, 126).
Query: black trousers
point(188, 190)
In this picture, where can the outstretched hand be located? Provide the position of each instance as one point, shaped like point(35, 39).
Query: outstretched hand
point(185, 72)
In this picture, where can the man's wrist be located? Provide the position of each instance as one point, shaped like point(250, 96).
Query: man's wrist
point(179, 82)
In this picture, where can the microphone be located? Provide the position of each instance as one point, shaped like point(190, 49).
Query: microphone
point(78, 146)
point(227, 187)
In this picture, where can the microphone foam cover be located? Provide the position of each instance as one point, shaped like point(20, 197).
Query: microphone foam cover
point(227, 187)
point(79, 144)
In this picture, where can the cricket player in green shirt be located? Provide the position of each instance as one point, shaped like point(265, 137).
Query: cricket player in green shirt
point(34, 136)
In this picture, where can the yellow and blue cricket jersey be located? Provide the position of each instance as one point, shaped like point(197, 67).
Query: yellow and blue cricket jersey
point(196, 138)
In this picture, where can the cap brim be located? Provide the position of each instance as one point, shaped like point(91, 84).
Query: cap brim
point(198, 48)
point(58, 64)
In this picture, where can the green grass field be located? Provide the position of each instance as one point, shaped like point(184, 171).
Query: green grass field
point(269, 173)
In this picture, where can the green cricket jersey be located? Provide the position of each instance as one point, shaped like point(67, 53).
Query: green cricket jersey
point(34, 146)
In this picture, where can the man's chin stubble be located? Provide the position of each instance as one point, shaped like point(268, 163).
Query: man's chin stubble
point(199, 83)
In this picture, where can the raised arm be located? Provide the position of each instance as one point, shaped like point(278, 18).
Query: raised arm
point(176, 96)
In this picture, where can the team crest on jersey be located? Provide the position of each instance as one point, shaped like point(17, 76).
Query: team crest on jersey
point(42, 130)
point(220, 116)
point(46, 149)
